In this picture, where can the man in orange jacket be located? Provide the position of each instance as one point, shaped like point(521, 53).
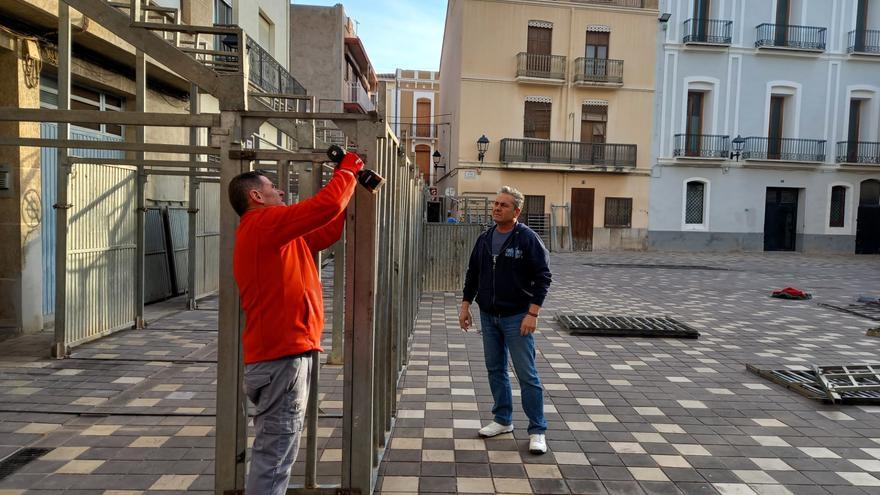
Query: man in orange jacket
point(280, 291)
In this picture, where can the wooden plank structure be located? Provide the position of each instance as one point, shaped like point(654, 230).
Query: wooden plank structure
point(380, 279)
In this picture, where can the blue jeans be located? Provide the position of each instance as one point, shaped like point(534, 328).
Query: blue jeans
point(500, 335)
point(279, 389)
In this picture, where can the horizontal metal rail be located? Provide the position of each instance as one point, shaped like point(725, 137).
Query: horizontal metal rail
point(858, 152)
point(708, 31)
point(568, 152)
point(598, 70)
point(540, 66)
point(864, 41)
point(701, 145)
point(143, 163)
point(787, 36)
point(798, 150)
point(8, 114)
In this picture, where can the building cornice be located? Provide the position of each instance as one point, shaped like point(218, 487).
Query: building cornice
point(743, 50)
point(579, 6)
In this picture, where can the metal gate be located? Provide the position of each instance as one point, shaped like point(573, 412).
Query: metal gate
point(208, 239)
point(178, 230)
point(448, 248)
point(101, 251)
point(49, 194)
point(157, 273)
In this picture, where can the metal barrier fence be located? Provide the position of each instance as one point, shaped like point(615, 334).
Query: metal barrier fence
point(101, 252)
point(800, 150)
point(207, 239)
point(447, 250)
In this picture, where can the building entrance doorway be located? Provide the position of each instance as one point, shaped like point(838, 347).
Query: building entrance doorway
point(780, 219)
point(582, 218)
point(868, 220)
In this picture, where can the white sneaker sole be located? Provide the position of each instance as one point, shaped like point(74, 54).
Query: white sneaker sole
point(537, 452)
point(495, 434)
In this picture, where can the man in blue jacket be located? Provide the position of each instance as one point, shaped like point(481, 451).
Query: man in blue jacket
point(508, 273)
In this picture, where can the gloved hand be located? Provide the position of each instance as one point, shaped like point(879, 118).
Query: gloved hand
point(351, 162)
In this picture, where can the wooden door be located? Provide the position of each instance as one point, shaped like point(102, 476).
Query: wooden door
point(868, 218)
point(596, 54)
point(423, 117)
point(694, 123)
point(855, 118)
point(774, 130)
point(423, 160)
point(582, 200)
point(539, 47)
point(780, 219)
point(594, 120)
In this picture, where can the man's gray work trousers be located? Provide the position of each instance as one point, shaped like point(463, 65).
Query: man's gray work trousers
point(279, 389)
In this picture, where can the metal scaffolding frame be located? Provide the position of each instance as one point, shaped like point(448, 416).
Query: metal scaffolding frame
point(378, 280)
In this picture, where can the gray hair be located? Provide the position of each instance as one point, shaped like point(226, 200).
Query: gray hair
point(518, 198)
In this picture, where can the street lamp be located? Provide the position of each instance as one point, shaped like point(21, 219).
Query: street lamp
point(482, 146)
point(738, 143)
point(436, 157)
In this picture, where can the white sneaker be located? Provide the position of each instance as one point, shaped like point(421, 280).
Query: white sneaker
point(493, 429)
point(537, 444)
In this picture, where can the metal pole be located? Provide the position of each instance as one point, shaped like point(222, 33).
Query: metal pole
point(59, 348)
point(193, 209)
point(231, 440)
point(140, 106)
point(336, 352)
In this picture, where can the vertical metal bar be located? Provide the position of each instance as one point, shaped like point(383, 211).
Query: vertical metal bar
point(59, 348)
point(140, 106)
point(231, 440)
point(192, 211)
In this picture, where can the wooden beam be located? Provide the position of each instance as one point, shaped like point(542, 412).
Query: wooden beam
point(307, 115)
point(277, 155)
point(185, 28)
point(145, 163)
point(108, 145)
point(120, 24)
point(121, 118)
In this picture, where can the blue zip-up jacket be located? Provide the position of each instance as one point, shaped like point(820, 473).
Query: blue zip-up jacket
point(507, 284)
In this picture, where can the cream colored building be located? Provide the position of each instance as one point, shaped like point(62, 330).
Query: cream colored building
point(411, 100)
point(563, 91)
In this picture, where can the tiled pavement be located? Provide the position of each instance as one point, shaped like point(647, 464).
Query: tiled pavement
point(135, 411)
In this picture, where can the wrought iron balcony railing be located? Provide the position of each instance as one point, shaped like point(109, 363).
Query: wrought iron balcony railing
point(357, 94)
point(267, 74)
point(636, 4)
point(701, 145)
point(708, 31)
point(417, 131)
point(796, 150)
point(540, 66)
point(785, 36)
point(858, 152)
point(864, 41)
point(568, 153)
point(598, 70)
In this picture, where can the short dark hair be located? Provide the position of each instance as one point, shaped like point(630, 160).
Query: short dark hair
point(239, 188)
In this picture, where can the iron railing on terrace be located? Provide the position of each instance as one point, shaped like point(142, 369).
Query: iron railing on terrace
point(864, 41)
point(598, 70)
point(790, 149)
point(709, 31)
point(540, 66)
point(858, 152)
point(267, 74)
point(701, 145)
point(786, 36)
point(568, 152)
point(412, 130)
point(357, 94)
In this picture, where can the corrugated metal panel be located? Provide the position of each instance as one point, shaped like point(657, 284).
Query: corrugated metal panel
point(49, 173)
point(101, 257)
point(208, 239)
point(447, 250)
point(157, 275)
point(178, 222)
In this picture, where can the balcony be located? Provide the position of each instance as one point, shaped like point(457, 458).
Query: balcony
point(418, 131)
point(357, 100)
point(787, 149)
point(707, 32)
point(862, 152)
point(540, 69)
point(806, 38)
point(865, 42)
point(701, 146)
point(568, 153)
point(268, 75)
point(598, 72)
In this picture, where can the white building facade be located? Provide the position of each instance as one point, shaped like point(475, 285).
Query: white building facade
point(793, 86)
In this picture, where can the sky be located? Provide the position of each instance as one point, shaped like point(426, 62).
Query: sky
point(398, 34)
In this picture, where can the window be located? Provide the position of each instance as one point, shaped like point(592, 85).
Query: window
point(597, 45)
point(838, 206)
point(423, 117)
point(775, 128)
point(536, 123)
point(222, 12)
point(694, 204)
point(618, 212)
point(538, 48)
point(594, 119)
point(267, 34)
point(83, 99)
point(694, 123)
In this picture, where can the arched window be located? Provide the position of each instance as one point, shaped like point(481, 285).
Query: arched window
point(695, 211)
